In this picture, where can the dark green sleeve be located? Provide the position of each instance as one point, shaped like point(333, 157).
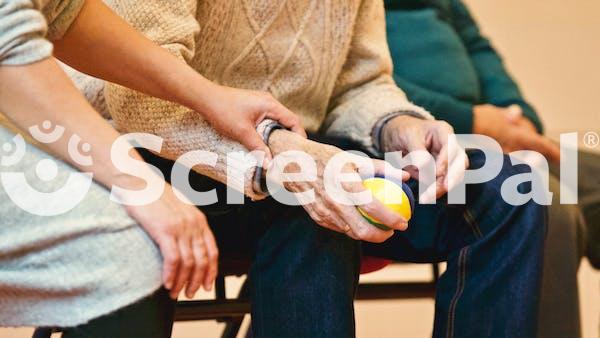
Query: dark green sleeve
point(497, 86)
point(444, 107)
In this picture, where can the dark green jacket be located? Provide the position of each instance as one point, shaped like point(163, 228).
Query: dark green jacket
point(444, 64)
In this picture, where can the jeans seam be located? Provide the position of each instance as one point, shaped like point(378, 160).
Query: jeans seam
point(462, 272)
point(471, 220)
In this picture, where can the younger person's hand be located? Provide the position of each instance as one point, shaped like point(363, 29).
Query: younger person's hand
point(188, 247)
point(235, 113)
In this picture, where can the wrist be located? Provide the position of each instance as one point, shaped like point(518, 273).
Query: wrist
point(479, 120)
point(282, 140)
point(389, 130)
point(205, 96)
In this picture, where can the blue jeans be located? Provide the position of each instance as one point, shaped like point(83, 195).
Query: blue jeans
point(303, 277)
point(493, 250)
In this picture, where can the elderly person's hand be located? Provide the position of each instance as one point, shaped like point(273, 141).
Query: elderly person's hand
point(407, 134)
point(326, 210)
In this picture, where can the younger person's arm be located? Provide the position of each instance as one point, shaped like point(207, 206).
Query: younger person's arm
point(101, 44)
point(33, 89)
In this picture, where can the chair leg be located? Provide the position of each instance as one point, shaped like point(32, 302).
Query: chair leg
point(232, 328)
point(42, 333)
point(436, 272)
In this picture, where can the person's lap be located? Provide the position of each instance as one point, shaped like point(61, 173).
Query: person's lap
point(296, 262)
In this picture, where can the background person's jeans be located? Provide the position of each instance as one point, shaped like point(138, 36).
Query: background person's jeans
point(304, 276)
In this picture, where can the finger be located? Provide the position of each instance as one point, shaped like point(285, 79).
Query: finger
point(326, 213)
point(429, 195)
point(287, 119)
point(456, 170)
point(171, 260)
point(213, 259)
point(386, 170)
point(544, 146)
point(441, 171)
point(420, 161)
point(377, 210)
point(200, 266)
point(457, 164)
point(361, 229)
point(186, 266)
point(254, 142)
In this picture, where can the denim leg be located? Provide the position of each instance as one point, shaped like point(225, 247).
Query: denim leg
point(491, 287)
point(303, 279)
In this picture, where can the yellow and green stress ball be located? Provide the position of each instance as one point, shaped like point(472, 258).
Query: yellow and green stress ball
point(396, 196)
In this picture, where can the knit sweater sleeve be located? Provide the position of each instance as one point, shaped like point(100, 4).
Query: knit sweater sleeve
point(365, 91)
point(173, 25)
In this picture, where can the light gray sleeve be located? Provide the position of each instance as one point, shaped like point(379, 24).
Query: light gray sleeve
point(22, 33)
point(26, 26)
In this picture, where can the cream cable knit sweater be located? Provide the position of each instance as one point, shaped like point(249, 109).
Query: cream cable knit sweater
point(326, 60)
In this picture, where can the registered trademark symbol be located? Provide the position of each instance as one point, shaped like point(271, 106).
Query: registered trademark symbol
point(591, 139)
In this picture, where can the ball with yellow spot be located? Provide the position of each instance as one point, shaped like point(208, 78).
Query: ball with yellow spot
point(395, 196)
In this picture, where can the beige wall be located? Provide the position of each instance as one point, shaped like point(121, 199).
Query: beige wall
point(552, 47)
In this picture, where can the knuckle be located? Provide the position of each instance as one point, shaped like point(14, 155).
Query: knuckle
point(202, 264)
point(172, 259)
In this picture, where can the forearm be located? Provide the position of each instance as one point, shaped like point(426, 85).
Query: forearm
point(38, 92)
point(283, 140)
point(122, 55)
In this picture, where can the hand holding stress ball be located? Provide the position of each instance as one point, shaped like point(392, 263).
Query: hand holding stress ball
point(396, 196)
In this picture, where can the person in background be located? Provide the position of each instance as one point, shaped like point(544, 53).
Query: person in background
point(444, 64)
point(96, 270)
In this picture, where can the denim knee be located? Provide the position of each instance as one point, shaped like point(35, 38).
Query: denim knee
point(485, 200)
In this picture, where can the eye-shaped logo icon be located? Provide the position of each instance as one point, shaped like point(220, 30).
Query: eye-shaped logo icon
point(17, 148)
point(26, 197)
point(52, 203)
point(47, 135)
point(76, 155)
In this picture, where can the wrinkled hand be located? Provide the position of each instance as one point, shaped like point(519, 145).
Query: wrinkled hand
point(512, 130)
point(189, 250)
point(235, 113)
point(324, 210)
point(407, 134)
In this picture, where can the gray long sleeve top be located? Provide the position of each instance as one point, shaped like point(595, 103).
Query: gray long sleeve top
point(26, 26)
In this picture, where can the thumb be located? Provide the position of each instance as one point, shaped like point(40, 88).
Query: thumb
point(261, 152)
